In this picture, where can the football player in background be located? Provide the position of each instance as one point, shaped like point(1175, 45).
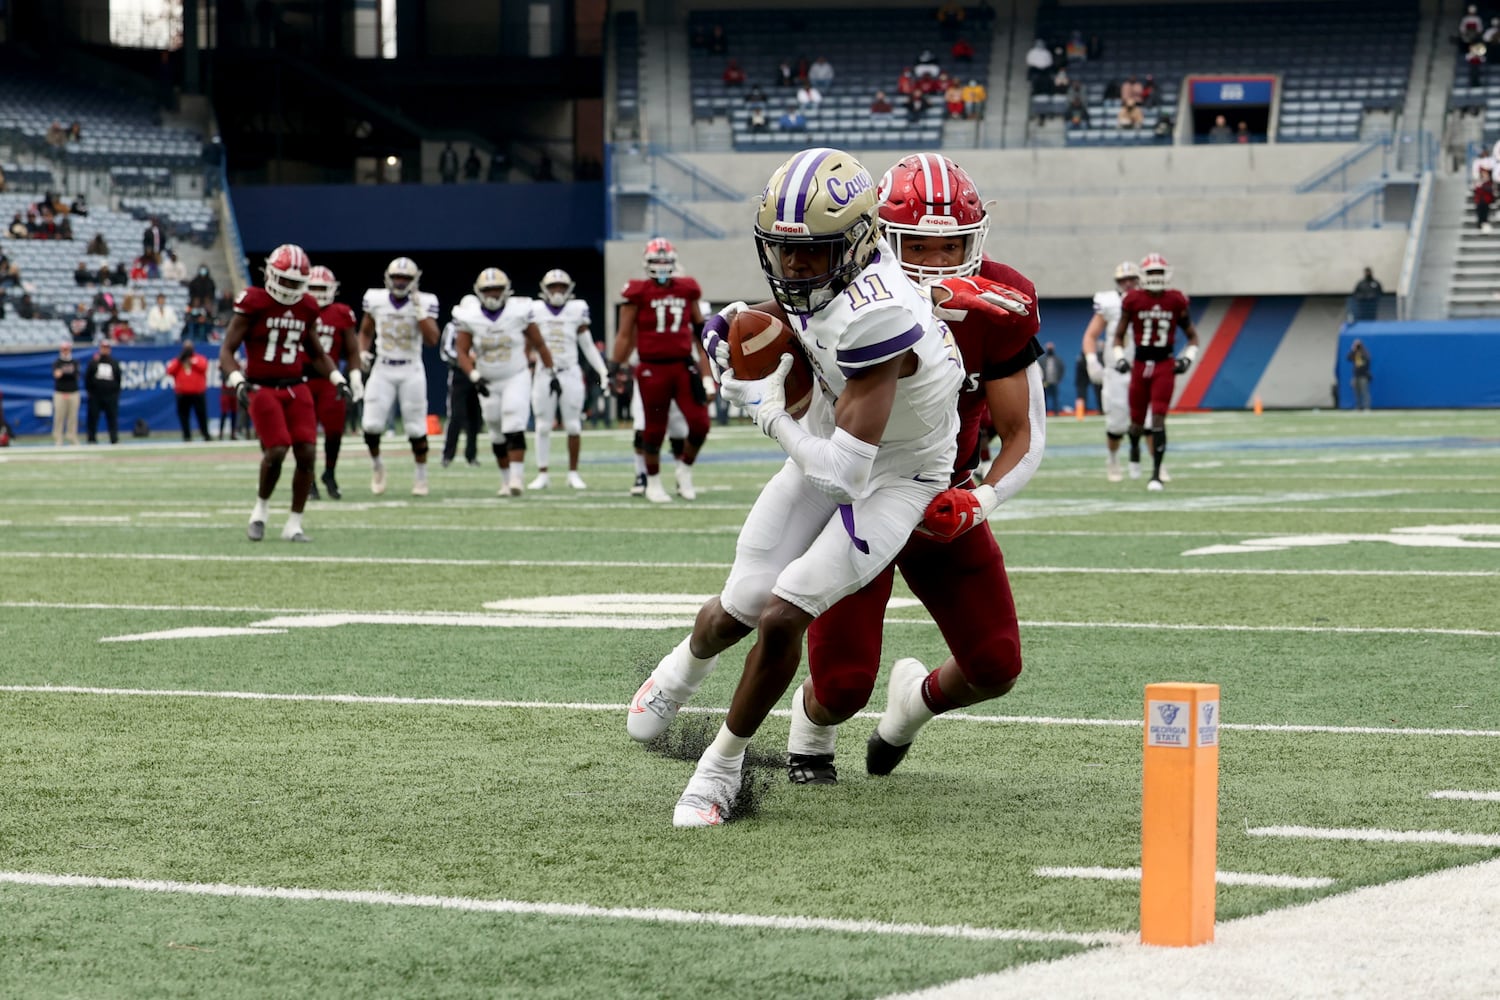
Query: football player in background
point(875, 449)
point(398, 320)
point(1114, 386)
point(658, 321)
point(564, 325)
point(494, 330)
point(1150, 316)
point(277, 325)
point(936, 222)
point(337, 333)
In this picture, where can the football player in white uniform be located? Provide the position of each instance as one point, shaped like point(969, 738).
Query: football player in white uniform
point(398, 320)
point(876, 448)
point(494, 330)
point(1114, 386)
point(564, 325)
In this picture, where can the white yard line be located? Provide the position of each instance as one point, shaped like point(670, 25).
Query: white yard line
point(643, 564)
point(1448, 837)
point(580, 910)
point(567, 706)
point(1222, 878)
point(1427, 936)
point(1465, 796)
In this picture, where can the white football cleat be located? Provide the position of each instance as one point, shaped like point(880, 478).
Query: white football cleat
point(707, 798)
point(1135, 470)
point(377, 480)
point(1112, 470)
point(419, 488)
point(638, 488)
point(576, 481)
point(685, 488)
point(1155, 486)
point(541, 482)
point(1163, 474)
point(654, 491)
point(651, 710)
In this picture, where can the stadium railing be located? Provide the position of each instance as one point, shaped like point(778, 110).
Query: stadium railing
point(1416, 244)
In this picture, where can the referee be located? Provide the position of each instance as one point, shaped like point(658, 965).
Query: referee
point(463, 403)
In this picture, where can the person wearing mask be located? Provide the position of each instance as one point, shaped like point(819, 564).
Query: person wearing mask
point(103, 381)
point(65, 374)
point(189, 372)
point(201, 289)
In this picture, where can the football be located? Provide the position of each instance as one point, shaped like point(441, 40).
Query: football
point(758, 337)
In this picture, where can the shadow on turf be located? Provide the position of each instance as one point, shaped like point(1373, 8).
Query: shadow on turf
point(690, 735)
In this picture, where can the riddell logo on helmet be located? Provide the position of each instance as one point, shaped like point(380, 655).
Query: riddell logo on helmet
point(793, 228)
point(938, 220)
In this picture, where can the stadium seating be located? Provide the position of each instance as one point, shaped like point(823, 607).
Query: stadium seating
point(1335, 59)
point(867, 51)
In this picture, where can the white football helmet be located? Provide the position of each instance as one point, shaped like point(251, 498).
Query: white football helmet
point(661, 260)
point(818, 226)
point(287, 272)
point(402, 276)
point(553, 295)
point(493, 288)
point(1155, 272)
point(1127, 275)
point(323, 286)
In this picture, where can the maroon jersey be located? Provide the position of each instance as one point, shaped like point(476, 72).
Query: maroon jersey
point(273, 345)
point(993, 348)
point(663, 317)
point(332, 322)
point(1154, 318)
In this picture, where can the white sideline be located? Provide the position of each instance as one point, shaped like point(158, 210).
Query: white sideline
point(1447, 837)
point(661, 916)
point(1221, 878)
point(581, 706)
point(1428, 936)
point(1466, 796)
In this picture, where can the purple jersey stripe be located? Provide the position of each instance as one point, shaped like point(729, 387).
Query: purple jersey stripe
point(881, 351)
point(809, 185)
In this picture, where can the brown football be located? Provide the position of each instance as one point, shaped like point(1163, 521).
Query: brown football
point(758, 337)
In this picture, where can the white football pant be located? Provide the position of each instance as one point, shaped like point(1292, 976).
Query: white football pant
point(507, 406)
point(402, 386)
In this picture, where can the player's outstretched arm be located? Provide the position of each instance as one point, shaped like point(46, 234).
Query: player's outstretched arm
point(589, 351)
point(1117, 354)
point(366, 337)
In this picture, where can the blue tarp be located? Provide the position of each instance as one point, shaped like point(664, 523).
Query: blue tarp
point(1425, 365)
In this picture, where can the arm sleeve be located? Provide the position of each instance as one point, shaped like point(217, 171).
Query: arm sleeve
point(590, 353)
point(1013, 481)
point(839, 466)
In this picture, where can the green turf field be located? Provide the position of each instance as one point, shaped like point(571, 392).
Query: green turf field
point(447, 775)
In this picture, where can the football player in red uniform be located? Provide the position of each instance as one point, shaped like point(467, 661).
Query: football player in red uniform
point(277, 324)
point(935, 222)
point(1151, 315)
point(658, 321)
point(337, 332)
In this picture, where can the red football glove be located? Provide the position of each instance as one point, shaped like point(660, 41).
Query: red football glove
point(955, 297)
point(951, 513)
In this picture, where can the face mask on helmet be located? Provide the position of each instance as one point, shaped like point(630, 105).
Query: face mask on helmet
point(661, 268)
point(493, 297)
point(401, 278)
point(933, 217)
point(557, 295)
point(806, 275)
point(285, 288)
point(1154, 280)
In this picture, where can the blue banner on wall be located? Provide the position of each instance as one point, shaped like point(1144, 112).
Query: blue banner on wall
point(1422, 365)
point(1215, 91)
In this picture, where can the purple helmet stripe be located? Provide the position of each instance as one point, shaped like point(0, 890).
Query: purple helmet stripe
point(806, 189)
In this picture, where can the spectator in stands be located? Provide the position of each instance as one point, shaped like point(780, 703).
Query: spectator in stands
point(1492, 33)
point(793, 120)
point(906, 83)
point(119, 276)
point(79, 208)
point(785, 77)
point(1078, 108)
point(473, 167)
point(1475, 58)
point(103, 277)
point(1470, 27)
point(1484, 197)
point(926, 66)
point(1220, 132)
point(120, 330)
point(755, 95)
point(718, 41)
point(1130, 115)
point(1359, 357)
point(11, 278)
point(163, 320)
point(171, 267)
point(448, 164)
point(102, 379)
point(974, 96)
point(733, 75)
point(1061, 81)
point(200, 321)
point(97, 247)
point(138, 270)
point(18, 227)
point(820, 73)
point(153, 239)
point(1149, 96)
point(201, 289)
point(1076, 49)
point(56, 134)
point(962, 51)
point(950, 18)
point(82, 276)
point(499, 167)
point(1132, 90)
point(757, 118)
point(25, 308)
point(802, 66)
point(1039, 66)
point(916, 106)
point(1367, 296)
point(881, 105)
point(1242, 133)
point(75, 131)
point(81, 325)
point(809, 96)
point(953, 100)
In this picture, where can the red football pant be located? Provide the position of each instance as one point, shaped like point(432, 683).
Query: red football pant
point(328, 405)
point(660, 383)
point(1151, 384)
point(962, 584)
point(283, 417)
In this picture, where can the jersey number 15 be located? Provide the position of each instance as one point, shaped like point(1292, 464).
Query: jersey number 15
point(291, 343)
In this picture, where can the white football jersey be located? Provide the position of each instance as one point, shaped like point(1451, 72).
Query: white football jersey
point(499, 337)
point(878, 317)
point(397, 337)
point(560, 329)
point(1107, 304)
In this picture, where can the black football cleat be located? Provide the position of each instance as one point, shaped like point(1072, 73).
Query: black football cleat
point(811, 769)
point(881, 757)
point(312, 492)
point(332, 485)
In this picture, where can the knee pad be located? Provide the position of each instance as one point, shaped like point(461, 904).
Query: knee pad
point(640, 441)
point(679, 445)
point(419, 447)
point(372, 441)
point(515, 441)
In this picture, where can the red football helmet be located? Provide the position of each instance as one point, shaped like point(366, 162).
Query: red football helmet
point(323, 286)
point(287, 273)
point(1155, 272)
point(929, 195)
point(661, 260)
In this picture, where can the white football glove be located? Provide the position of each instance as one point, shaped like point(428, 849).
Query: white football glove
point(772, 405)
point(740, 392)
point(1096, 370)
point(366, 360)
point(356, 385)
